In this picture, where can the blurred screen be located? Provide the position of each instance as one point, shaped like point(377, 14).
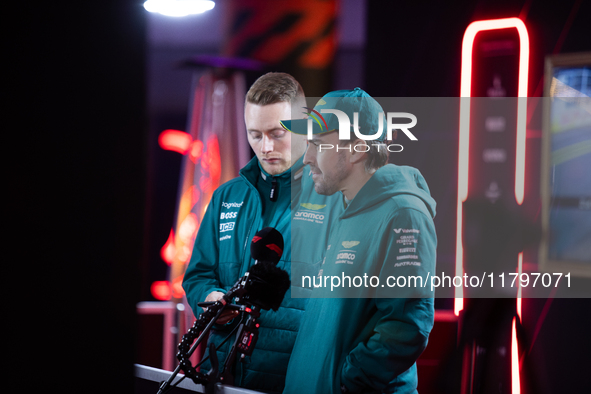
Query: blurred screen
point(570, 165)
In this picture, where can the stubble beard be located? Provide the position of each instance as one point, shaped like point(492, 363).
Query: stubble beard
point(330, 184)
point(275, 169)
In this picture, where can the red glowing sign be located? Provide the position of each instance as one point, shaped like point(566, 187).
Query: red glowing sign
point(466, 90)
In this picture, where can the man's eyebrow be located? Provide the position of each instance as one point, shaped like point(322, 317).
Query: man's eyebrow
point(267, 130)
point(319, 139)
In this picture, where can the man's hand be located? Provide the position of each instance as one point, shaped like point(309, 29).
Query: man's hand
point(226, 316)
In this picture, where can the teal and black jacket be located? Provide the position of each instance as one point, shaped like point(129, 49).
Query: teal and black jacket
point(366, 334)
point(221, 255)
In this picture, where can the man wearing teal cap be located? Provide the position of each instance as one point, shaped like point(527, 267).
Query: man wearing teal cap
point(361, 333)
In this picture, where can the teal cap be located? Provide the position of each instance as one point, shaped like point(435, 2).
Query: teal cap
point(349, 102)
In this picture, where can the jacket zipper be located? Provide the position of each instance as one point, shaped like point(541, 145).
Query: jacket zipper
point(239, 376)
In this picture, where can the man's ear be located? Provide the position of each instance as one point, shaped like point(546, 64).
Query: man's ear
point(360, 154)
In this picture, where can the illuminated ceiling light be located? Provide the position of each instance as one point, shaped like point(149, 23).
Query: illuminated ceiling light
point(178, 7)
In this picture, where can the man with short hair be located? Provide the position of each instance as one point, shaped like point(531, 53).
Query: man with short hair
point(380, 251)
point(271, 189)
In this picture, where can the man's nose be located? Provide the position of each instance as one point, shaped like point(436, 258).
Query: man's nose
point(310, 155)
point(267, 144)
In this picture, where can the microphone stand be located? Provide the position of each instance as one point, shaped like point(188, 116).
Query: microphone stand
point(201, 328)
point(210, 315)
point(245, 341)
point(246, 337)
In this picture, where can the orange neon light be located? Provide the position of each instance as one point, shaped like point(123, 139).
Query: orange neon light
point(464, 136)
point(175, 140)
point(196, 151)
point(168, 250)
point(177, 287)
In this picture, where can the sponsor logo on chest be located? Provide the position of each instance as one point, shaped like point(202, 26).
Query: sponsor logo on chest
point(347, 255)
point(310, 213)
point(229, 226)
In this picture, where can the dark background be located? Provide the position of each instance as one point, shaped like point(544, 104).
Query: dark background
point(79, 121)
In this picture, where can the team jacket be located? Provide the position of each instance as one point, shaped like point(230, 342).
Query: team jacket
point(221, 255)
point(365, 335)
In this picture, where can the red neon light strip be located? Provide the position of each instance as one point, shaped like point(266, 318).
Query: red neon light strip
point(464, 138)
point(519, 290)
point(515, 380)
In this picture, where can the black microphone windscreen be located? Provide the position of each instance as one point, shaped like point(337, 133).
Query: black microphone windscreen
point(267, 245)
point(267, 285)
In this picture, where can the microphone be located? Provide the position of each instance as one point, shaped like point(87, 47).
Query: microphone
point(264, 284)
point(267, 245)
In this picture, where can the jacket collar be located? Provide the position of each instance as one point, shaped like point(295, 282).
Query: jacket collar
point(251, 171)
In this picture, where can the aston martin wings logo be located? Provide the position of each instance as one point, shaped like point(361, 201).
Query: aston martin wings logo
point(350, 244)
point(313, 207)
